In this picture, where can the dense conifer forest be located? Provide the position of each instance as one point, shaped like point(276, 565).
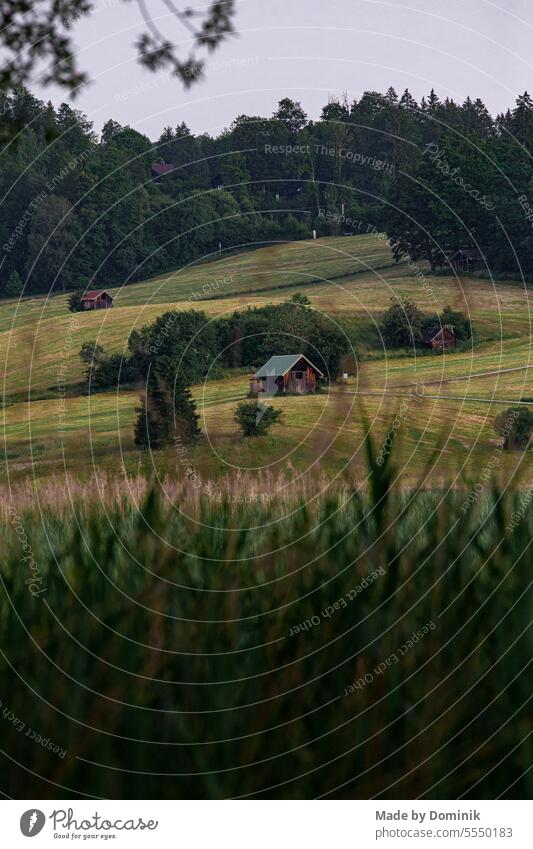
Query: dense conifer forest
point(82, 209)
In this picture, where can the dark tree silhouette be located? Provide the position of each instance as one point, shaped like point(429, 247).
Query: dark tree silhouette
point(167, 410)
point(35, 33)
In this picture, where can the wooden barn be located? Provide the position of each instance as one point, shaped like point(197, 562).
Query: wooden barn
point(467, 259)
point(97, 300)
point(290, 373)
point(439, 338)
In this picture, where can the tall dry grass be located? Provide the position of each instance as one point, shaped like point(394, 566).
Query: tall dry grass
point(364, 644)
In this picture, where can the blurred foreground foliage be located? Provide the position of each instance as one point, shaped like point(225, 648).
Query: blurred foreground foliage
point(210, 656)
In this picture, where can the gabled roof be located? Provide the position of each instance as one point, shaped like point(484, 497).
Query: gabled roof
point(161, 168)
point(469, 253)
point(278, 366)
point(96, 293)
point(432, 332)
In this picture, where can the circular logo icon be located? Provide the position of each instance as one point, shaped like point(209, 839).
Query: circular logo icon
point(32, 822)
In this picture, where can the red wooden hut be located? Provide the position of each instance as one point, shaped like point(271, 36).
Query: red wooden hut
point(97, 300)
point(439, 338)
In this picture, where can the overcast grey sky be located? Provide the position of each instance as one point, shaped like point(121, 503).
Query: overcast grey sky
point(308, 50)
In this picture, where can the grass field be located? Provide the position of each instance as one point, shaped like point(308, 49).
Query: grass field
point(215, 622)
point(459, 394)
point(241, 650)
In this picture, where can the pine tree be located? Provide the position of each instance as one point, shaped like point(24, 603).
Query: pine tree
point(74, 302)
point(476, 118)
point(522, 120)
point(185, 418)
point(408, 102)
point(433, 101)
point(14, 285)
point(167, 410)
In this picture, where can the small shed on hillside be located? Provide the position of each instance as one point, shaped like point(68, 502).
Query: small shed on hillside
point(286, 373)
point(97, 300)
point(439, 338)
point(467, 259)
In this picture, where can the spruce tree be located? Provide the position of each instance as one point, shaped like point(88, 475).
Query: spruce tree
point(408, 102)
point(167, 410)
point(522, 120)
point(14, 285)
point(74, 302)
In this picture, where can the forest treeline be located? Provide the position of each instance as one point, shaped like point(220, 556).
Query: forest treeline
point(81, 210)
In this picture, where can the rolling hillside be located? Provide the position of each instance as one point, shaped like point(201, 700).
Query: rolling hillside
point(352, 276)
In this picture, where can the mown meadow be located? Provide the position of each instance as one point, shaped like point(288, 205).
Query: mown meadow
point(50, 423)
point(340, 608)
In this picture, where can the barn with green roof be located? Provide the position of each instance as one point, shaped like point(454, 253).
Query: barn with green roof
point(286, 373)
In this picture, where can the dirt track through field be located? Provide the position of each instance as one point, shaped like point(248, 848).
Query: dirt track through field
point(469, 376)
point(446, 397)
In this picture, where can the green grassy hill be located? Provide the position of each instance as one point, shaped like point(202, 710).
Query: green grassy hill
point(351, 276)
